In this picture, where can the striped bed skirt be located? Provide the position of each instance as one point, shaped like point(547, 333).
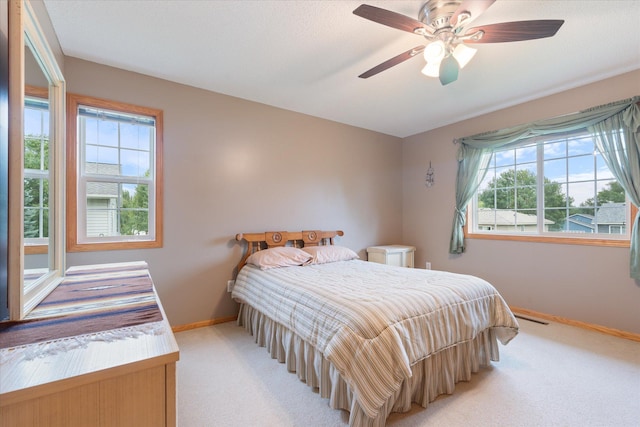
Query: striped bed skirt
point(431, 377)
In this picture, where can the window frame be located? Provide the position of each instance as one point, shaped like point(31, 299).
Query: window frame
point(550, 237)
point(73, 166)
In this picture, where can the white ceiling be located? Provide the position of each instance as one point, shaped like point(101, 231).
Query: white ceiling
point(305, 56)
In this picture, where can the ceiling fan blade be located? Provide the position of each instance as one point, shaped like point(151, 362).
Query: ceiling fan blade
point(391, 62)
point(448, 70)
point(515, 31)
point(391, 19)
point(473, 7)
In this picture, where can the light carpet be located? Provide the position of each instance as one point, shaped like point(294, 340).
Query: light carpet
point(549, 375)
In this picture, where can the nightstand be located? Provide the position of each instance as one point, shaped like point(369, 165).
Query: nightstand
point(398, 255)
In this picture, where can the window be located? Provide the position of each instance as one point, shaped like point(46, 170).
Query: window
point(114, 194)
point(36, 171)
point(551, 187)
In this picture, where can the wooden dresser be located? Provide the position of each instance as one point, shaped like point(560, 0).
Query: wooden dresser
point(121, 382)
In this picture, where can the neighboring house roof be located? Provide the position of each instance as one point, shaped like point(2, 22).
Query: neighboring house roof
point(582, 218)
point(612, 213)
point(102, 189)
point(487, 216)
point(576, 223)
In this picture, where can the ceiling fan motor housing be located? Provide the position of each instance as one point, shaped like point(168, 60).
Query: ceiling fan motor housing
point(437, 13)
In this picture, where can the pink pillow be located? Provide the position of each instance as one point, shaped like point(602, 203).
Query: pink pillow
point(330, 253)
point(282, 256)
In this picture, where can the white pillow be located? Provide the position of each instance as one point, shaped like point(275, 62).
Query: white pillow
point(330, 253)
point(281, 256)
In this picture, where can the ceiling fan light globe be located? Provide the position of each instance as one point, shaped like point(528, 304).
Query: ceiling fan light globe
point(435, 51)
point(463, 54)
point(432, 69)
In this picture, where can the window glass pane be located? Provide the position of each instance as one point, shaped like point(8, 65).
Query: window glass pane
point(101, 160)
point(526, 173)
point(102, 168)
point(488, 181)
point(526, 154)
point(505, 177)
point(583, 145)
point(505, 198)
point(556, 170)
point(525, 182)
point(116, 144)
point(134, 210)
point(135, 163)
point(36, 208)
point(486, 219)
point(526, 220)
point(117, 209)
point(505, 158)
point(581, 168)
point(36, 169)
point(135, 136)
point(609, 191)
point(555, 149)
point(527, 197)
point(611, 218)
point(555, 195)
point(91, 154)
point(554, 219)
point(90, 130)
point(107, 156)
point(108, 133)
point(491, 219)
point(580, 192)
point(602, 169)
point(36, 153)
point(570, 220)
point(36, 122)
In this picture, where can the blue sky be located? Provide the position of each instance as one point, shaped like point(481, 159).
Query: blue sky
point(36, 122)
point(112, 142)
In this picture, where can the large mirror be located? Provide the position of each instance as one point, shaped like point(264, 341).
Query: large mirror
point(36, 212)
point(36, 171)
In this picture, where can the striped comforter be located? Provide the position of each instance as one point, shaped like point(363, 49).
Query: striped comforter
point(374, 321)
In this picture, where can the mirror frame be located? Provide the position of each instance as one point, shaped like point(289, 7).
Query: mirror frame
point(24, 30)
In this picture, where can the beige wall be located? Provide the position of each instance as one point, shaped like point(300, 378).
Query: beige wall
point(236, 166)
point(42, 16)
point(585, 283)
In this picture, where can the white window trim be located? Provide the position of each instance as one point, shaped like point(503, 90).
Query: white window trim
point(605, 239)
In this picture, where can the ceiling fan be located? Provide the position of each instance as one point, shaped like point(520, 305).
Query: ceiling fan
point(442, 23)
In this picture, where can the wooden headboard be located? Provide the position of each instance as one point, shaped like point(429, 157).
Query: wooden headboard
point(298, 239)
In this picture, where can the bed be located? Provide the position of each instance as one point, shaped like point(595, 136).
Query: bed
point(369, 337)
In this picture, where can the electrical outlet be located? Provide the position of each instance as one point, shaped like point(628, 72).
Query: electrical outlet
point(427, 265)
point(230, 284)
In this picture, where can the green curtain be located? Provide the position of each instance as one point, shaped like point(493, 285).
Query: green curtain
point(476, 151)
point(471, 163)
point(618, 141)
